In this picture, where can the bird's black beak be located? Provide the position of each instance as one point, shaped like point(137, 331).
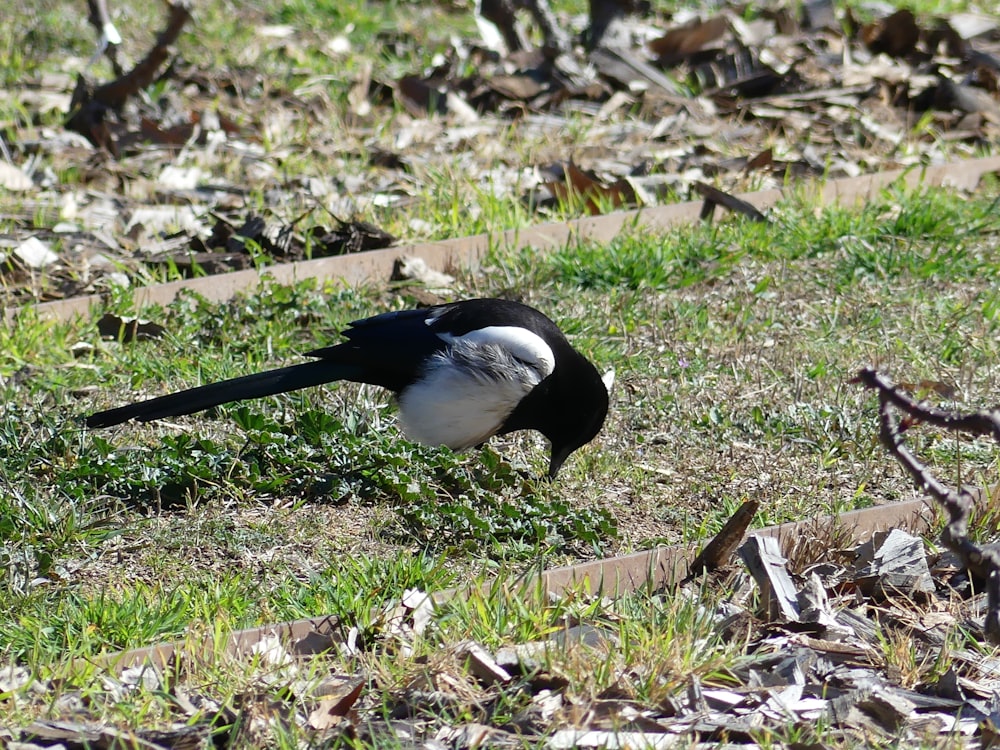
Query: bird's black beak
point(559, 456)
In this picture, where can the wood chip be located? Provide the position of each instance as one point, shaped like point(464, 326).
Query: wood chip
point(482, 664)
point(894, 564)
point(764, 560)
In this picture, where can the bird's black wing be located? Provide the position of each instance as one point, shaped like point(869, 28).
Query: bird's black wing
point(474, 314)
point(388, 349)
point(393, 347)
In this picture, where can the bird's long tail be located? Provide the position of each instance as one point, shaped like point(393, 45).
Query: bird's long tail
point(203, 397)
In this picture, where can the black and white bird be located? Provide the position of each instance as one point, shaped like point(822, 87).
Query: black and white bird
point(462, 372)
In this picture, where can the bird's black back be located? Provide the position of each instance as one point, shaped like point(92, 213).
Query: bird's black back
point(391, 348)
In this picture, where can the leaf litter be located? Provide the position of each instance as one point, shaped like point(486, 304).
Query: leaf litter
point(659, 105)
point(861, 640)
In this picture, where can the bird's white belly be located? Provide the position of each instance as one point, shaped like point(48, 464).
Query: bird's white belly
point(458, 402)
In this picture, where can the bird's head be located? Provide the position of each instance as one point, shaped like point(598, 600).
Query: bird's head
point(580, 408)
point(568, 407)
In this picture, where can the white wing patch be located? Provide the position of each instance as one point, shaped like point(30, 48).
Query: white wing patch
point(528, 347)
point(468, 390)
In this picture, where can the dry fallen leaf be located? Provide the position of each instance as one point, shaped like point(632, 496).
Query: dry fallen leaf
point(693, 36)
point(35, 253)
point(337, 704)
point(12, 178)
point(597, 197)
point(416, 269)
point(896, 35)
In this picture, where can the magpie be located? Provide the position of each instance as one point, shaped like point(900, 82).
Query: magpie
point(462, 372)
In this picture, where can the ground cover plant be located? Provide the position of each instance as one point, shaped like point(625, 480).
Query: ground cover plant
point(733, 346)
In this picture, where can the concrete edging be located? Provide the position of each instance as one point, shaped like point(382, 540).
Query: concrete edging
point(659, 568)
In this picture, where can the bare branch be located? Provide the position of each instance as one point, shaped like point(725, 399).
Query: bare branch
point(983, 562)
point(503, 14)
point(89, 105)
point(115, 93)
point(977, 423)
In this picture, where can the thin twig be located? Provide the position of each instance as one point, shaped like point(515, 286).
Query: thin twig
point(108, 40)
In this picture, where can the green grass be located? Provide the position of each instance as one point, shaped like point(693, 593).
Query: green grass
point(922, 236)
point(732, 345)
